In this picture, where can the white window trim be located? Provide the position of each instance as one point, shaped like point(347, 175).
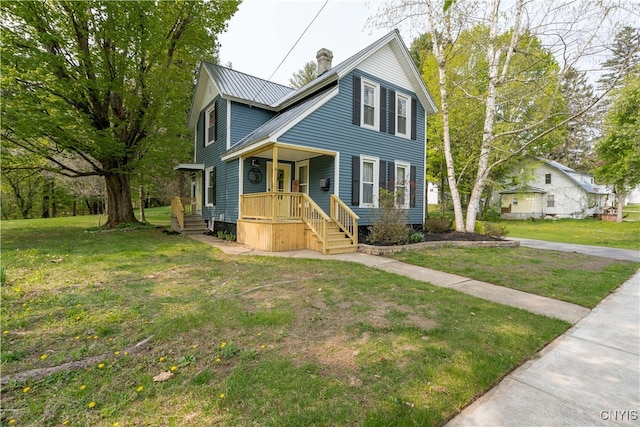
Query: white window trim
point(407, 98)
point(376, 180)
point(206, 128)
point(207, 173)
point(407, 183)
point(376, 105)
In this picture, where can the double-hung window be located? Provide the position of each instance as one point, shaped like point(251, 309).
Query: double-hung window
point(369, 184)
point(403, 106)
point(402, 185)
point(551, 201)
point(547, 178)
point(370, 104)
point(211, 125)
point(210, 184)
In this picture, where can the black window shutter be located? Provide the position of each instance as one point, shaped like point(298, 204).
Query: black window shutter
point(355, 180)
point(392, 176)
point(383, 109)
point(392, 112)
point(215, 124)
point(215, 182)
point(202, 127)
point(382, 175)
point(412, 186)
point(414, 115)
point(356, 100)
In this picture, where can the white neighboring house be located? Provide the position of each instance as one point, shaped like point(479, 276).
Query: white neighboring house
point(432, 193)
point(633, 198)
point(554, 190)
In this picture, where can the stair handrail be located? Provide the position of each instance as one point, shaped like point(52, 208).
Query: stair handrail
point(345, 218)
point(177, 209)
point(316, 219)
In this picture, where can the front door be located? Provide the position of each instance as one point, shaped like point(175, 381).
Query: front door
point(284, 177)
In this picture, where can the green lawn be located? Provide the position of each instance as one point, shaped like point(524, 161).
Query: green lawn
point(251, 340)
point(625, 235)
point(572, 277)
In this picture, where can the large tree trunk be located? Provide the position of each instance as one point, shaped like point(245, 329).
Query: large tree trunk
point(620, 206)
point(119, 206)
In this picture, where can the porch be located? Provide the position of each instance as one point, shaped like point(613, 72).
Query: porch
point(284, 221)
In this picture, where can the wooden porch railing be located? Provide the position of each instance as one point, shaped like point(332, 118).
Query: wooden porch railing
point(280, 207)
point(181, 206)
point(316, 220)
point(271, 206)
point(345, 218)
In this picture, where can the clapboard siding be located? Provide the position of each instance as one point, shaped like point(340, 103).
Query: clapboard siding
point(331, 127)
point(386, 66)
point(246, 119)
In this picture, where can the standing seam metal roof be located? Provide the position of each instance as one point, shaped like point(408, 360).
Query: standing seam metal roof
point(243, 86)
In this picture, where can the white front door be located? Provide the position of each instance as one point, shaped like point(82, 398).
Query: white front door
point(284, 177)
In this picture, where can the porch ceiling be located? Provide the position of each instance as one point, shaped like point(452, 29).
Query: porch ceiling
point(189, 167)
point(288, 152)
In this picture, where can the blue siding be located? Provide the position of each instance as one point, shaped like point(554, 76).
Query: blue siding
point(321, 167)
point(246, 119)
point(330, 127)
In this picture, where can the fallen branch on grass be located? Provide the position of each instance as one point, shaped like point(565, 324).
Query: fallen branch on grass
point(40, 373)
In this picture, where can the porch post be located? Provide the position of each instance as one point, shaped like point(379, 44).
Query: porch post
point(274, 182)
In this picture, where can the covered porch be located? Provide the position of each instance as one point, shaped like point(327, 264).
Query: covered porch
point(279, 213)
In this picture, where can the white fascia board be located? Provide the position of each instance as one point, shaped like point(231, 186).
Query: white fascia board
point(239, 153)
point(279, 132)
point(229, 124)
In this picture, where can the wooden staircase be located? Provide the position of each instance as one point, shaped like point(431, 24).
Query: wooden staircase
point(193, 224)
point(337, 241)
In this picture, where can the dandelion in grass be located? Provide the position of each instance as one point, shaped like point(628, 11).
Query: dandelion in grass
point(12, 421)
point(161, 359)
point(83, 387)
point(95, 337)
point(223, 345)
point(173, 368)
point(263, 346)
point(101, 365)
point(77, 337)
point(194, 346)
point(26, 389)
point(77, 317)
point(65, 422)
point(259, 334)
point(43, 357)
point(217, 360)
point(221, 395)
point(5, 332)
point(116, 424)
point(126, 352)
point(117, 353)
point(91, 404)
point(139, 389)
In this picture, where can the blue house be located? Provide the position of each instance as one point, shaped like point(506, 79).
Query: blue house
point(285, 168)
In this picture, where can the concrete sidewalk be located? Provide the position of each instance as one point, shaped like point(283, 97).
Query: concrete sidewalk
point(589, 376)
point(614, 253)
point(500, 294)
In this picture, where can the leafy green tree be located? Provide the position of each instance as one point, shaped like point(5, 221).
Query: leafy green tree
point(95, 86)
point(304, 75)
point(618, 152)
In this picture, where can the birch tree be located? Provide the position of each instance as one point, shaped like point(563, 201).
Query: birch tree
point(569, 31)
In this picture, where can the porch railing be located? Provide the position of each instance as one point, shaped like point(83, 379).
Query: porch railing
point(316, 219)
point(181, 206)
point(345, 218)
point(278, 207)
point(272, 206)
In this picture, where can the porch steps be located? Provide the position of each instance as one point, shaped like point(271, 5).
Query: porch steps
point(194, 224)
point(337, 241)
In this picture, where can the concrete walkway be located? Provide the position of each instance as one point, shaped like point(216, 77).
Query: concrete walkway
point(500, 294)
point(589, 376)
point(621, 254)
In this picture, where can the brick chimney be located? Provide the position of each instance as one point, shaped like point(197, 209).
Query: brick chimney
point(323, 57)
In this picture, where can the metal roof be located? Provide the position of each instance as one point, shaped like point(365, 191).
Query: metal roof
point(574, 176)
point(232, 83)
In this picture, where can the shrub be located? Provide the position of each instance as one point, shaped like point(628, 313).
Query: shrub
point(437, 225)
point(416, 237)
point(496, 230)
point(491, 215)
point(389, 223)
